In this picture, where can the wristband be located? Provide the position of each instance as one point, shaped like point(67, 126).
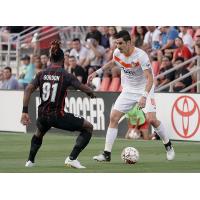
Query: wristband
point(145, 94)
point(99, 72)
point(25, 109)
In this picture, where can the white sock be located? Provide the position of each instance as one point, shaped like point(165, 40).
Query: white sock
point(110, 138)
point(160, 130)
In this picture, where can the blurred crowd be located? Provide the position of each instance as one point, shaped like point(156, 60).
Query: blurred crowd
point(166, 46)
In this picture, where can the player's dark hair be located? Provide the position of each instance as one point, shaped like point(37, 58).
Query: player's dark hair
point(56, 53)
point(123, 34)
point(8, 68)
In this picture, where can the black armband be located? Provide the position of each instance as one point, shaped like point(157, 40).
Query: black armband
point(25, 109)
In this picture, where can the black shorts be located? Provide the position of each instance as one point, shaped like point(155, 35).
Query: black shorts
point(67, 122)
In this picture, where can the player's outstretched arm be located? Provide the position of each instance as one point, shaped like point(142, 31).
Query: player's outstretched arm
point(87, 90)
point(100, 71)
point(25, 119)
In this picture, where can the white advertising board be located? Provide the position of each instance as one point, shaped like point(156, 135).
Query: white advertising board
point(180, 115)
point(11, 103)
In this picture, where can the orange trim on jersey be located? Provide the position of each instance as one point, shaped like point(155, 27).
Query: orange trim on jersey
point(126, 65)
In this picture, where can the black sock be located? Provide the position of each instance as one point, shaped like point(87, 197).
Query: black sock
point(168, 146)
point(107, 153)
point(81, 142)
point(36, 143)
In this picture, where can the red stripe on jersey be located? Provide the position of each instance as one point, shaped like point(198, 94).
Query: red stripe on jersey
point(126, 65)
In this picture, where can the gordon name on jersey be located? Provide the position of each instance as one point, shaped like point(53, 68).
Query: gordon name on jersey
point(51, 78)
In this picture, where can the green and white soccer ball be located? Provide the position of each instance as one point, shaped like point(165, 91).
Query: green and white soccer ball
point(130, 155)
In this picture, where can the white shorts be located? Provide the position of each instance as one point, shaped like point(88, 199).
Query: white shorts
point(126, 101)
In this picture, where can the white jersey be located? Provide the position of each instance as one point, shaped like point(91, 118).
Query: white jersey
point(132, 67)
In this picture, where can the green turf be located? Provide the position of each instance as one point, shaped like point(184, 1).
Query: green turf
point(14, 150)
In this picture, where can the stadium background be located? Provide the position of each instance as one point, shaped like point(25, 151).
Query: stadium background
point(140, 12)
point(97, 111)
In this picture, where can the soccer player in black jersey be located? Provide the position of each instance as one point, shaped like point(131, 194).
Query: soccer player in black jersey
point(53, 83)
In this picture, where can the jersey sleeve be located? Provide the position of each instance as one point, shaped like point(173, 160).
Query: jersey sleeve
point(145, 62)
point(36, 80)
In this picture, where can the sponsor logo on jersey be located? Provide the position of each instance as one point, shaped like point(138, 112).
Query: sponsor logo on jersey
point(135, 64)
point(128, 71)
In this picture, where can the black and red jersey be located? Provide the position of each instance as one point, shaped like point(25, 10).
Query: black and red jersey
point(53, 83)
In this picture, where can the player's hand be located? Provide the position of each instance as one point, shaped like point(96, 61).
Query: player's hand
point(25, 119)
point(142, 102)
point(90, 77)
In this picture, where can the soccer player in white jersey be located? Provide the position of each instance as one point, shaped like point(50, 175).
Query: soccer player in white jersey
point(138, 88)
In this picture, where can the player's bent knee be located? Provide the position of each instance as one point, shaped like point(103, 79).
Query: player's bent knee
point(90, 128)
point(39, 134)
point(114, 119)
point(87, 126)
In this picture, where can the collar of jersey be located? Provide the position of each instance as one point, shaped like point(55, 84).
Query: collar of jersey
point(55, 66)
point(128, 55)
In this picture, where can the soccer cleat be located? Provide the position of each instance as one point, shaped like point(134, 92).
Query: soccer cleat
point(29, 164)
point(73, 163)
point(102, 157)
point(170, 153)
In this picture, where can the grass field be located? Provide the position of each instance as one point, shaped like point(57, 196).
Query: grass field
point(14, 150)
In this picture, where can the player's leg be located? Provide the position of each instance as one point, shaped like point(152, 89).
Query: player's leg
point(112, 131)
point(111, 135)
point(73, 123)
point(82, 139)
point(36, 141)
point(160, 130)
point(123, 104)
point(158, 127)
